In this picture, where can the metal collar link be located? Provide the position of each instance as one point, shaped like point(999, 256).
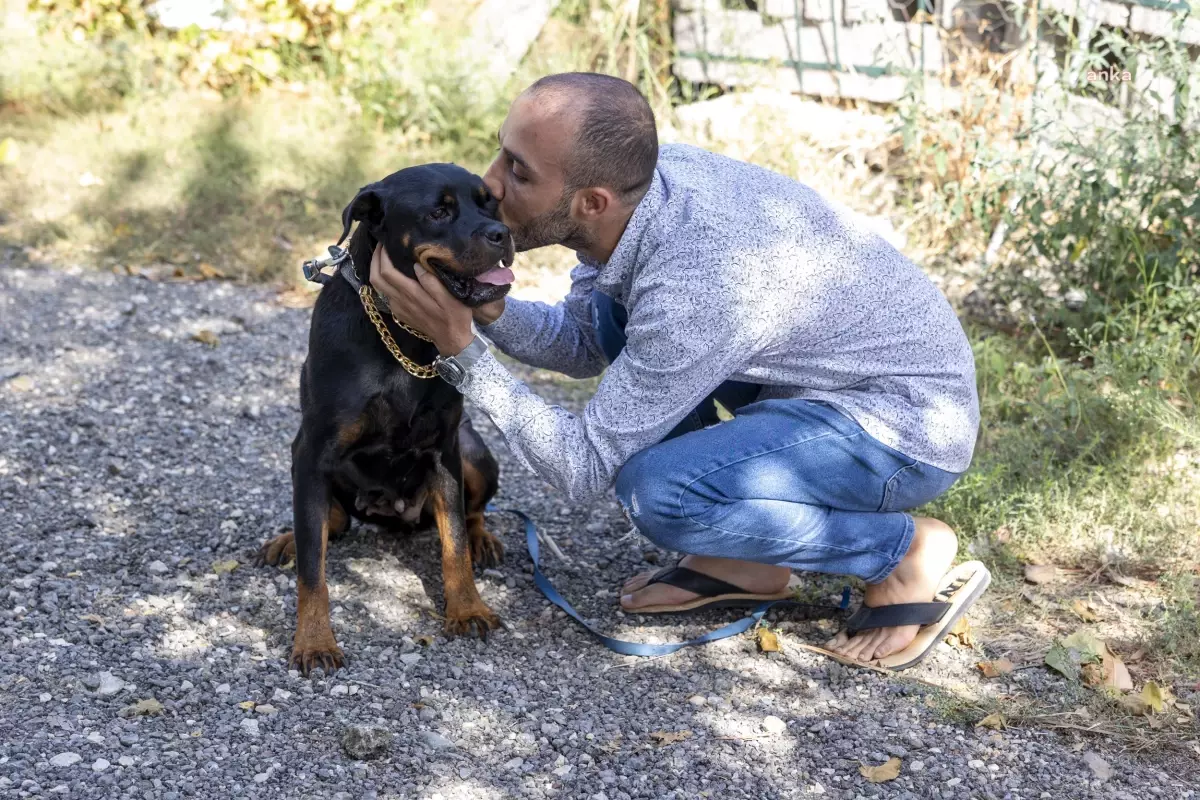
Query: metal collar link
point(314, 271)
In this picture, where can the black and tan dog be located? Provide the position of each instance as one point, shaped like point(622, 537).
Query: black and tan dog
point(382, 438)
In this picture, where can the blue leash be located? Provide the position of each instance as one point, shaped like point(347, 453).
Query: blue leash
point(639, 648)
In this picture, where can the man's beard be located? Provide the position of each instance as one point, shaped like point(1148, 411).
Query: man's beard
point(553, 227)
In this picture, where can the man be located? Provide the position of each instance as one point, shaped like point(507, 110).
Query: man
point(704, 280)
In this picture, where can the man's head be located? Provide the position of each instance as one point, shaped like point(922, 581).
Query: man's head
point(577, 152)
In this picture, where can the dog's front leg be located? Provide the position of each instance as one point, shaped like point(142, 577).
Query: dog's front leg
point(314, 645)
point(465, 609)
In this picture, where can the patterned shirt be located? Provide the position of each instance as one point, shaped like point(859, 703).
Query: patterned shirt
point(731, 271)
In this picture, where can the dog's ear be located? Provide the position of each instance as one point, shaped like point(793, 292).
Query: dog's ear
point(366, 206)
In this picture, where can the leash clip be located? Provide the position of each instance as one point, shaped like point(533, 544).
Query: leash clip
point(314, 268)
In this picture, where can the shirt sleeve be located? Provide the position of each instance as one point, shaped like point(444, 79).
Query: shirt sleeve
point(559, 337)
point(670, 363)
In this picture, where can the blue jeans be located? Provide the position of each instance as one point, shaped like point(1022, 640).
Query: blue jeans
point(795, 483)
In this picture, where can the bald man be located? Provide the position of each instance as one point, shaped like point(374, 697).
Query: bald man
point(706, 283)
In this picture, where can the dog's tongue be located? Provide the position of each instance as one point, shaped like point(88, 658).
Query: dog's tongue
point(500, 276)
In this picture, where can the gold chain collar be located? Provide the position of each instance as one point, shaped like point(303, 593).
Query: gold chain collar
point(410, 366)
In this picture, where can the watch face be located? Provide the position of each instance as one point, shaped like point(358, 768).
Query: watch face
point(451, 371)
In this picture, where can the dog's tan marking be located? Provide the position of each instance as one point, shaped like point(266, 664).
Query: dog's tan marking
point(486, 549)
point(406, 240)
point(424, 252)
point(351, 433)
point(314, 645)
point(464, 607)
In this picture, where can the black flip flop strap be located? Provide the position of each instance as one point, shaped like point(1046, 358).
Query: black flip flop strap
point(695, 582)
point(866, 619)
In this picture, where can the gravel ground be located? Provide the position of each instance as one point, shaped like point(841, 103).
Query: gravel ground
point(133, 458)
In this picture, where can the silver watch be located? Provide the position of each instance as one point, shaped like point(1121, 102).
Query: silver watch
point(453, 369)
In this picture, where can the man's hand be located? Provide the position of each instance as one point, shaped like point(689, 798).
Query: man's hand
point(488, 313)
point(424, 304)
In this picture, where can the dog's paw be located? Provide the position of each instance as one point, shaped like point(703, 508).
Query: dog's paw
point(278, 550)
point(474, 620)
point(486, 549)
point(308, 656)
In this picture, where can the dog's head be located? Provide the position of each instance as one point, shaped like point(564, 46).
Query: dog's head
point(442, 217)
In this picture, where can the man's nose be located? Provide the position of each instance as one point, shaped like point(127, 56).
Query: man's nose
point(493, 182)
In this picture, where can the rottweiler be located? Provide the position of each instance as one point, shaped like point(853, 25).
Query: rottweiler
point(381, 440)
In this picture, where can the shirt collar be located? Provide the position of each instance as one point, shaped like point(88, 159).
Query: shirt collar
point(617, 272)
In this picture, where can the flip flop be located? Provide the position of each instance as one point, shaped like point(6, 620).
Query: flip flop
point(960, 588)
point(714, 592)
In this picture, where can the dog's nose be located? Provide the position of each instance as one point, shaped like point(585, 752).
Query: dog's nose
point(495, 234)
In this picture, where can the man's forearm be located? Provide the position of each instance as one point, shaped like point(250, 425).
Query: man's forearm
point(546, 336)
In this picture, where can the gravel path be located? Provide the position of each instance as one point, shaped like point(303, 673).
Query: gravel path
point(133, 458)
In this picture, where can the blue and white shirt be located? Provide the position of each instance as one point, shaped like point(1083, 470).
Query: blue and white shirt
point(731, 271)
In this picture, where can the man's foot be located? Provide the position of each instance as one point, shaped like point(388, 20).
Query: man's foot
point(753, 577)
point(914, 580)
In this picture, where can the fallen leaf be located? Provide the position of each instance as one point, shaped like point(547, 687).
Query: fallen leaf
point(21, 383)
point(1063, 661)
point(1100, 768)
point(960, 635)
point(425, 641)
point(887, 771)
point(768, 641)
point(247, 704)
point(291, 563)
point(1137, 656)
point(1122, 580)
point(142, 708)
point(994, 721)
point(1084, 610)
point(224, 566)
point(723, 413)
point(1089, 647)
point(1157, 697)
point(75, 574)
point(994, 669)
point(207, 337)
point(664, 738)
point(1116, 673)
point(93, 618)
point(208, 271)
point(1040, 573)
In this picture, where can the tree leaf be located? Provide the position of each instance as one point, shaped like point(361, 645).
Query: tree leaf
point(664, 738)
point(768, 641)
point(207, 337)
point(994, 669)
point(1084, 610)
point(247, 705)
point(208, 271)
point(142, 708)
point(220, 567)
point(1088, 646)
point(994, 721)
point(1064, 661)
point(887, 771)
point(1157, 697)
point(960, 635)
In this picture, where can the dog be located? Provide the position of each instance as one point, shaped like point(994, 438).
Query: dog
point(377, 442)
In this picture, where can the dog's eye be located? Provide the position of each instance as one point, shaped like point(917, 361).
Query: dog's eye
point(439, 214)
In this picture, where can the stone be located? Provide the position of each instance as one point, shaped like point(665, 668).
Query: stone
point(363, 742)
point(157, 567)
point(99, 765)
point(436, 741)
point(773, 724)
point(109, 684)
point(65, 760)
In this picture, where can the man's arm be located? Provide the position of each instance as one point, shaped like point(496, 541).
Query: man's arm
point(664, 371)
point(559, 337)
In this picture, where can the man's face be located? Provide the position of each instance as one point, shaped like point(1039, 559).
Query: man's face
point(528, 174)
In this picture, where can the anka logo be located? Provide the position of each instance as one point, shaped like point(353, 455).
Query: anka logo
point(1108, 75)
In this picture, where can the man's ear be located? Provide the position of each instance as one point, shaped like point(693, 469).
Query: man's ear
point(366, 207)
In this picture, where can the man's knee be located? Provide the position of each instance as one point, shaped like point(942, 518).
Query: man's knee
point(650, 495)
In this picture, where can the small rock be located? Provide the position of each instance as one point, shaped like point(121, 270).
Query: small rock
point(187, 686)
point(916, 766)
point(109, 684)
point(222, 689)
point(65, 759)
point(975, 763)
point(514, 763)
point(281, 695)
point(427, 714)
point(551, 728)
point(250, 726)
point(408, 659)
point(262, 777)
point(1099, 767)
point(265, 708)
point(436, 741)
point(563, 771)
point(340, 689)
point(698, 700)
point(157, 567)
point(99, 765)
point(45, 697)
point(362, 742)
point(125, 761)
point(774, 724)
point(953, 782)
point(95, 737)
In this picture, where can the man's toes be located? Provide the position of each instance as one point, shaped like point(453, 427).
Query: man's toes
point(895, 640)
point(636, 582)
point(837, 642)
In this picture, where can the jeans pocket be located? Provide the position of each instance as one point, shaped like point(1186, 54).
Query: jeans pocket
point(892, 496)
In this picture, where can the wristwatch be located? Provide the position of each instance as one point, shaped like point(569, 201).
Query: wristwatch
point(453, 369)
